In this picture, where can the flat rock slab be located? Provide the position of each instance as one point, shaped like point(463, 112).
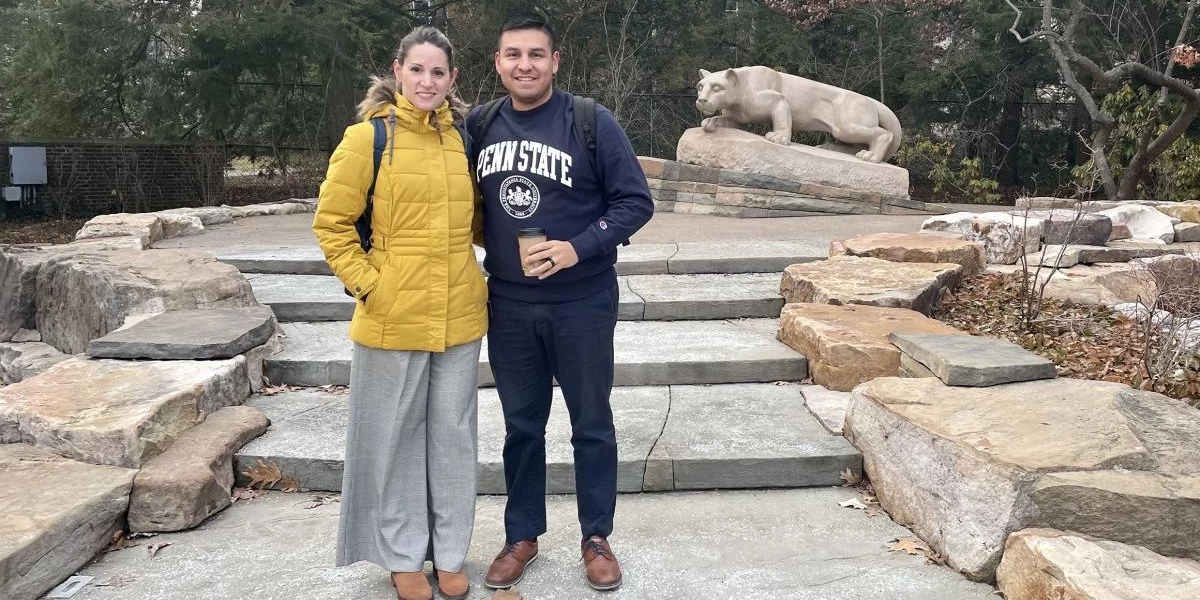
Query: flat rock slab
point(1101, 284)
point(870, 281)
point(192, 479)
point(147, 227)
point(915, 248)
point(715, 438)
point(706, 297)
point(85, 296)
point(739, 150)
point(1066, 226)
point(973, 361)
point(1093, 457)
point(1187, 232)
point(761, 256)
point(1144, 222)
point(189, 335)
point(21, 361)
point(58, 513)
point(1045, 563)
point(117, 412)
point(847, 345)
point(738, 544)
point(647, 353)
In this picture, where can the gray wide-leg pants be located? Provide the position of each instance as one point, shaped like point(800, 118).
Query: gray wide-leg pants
point(408, 490)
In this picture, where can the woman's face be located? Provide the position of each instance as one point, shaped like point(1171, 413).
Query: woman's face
point(425, 76)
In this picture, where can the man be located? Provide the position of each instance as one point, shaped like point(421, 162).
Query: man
point(557, 321)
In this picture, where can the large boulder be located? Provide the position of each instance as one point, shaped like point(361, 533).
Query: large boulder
point(1144, 222)
point(82, 297)
point(1005, 237)
point(1047, 564)
point(58, 514)
point(1094, 457)
point(870, 281)
point(192, 479)
point(1072, 227)
point(117, 412)
point(19, 268)
point(1101, 284)
point(1187, 212)
point(915, 248)
point(179, 225)
point(1187, 232)
point(208, 215)
point(20, 361)
point(145, 226)
point(847, 345)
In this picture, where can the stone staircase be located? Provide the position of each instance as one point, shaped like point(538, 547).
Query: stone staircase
point(705, 396)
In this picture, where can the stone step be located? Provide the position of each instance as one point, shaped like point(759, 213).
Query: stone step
point(669, 438)
point(647, 353)
point(650, 297)
point(636, 259)
point(749, 545)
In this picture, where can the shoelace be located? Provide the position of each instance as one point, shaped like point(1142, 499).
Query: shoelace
point(508, 549)
point(596, 547)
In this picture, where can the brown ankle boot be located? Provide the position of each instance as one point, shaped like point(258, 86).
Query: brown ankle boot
point(453, 586)
point(412, 585)
point(603, 570)
point(509, 566)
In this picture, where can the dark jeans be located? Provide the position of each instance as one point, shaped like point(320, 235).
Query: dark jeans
point(528, 345)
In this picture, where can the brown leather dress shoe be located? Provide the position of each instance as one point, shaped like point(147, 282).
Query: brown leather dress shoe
point(412, 585)
point(453, 586)
point(509, 566)
point(603, 570)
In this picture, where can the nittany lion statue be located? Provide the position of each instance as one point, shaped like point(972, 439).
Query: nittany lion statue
point(737, 97)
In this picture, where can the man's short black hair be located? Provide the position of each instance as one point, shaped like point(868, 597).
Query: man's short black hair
point(530, 21)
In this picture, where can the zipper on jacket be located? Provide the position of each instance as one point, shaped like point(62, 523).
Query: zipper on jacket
point(391, 119)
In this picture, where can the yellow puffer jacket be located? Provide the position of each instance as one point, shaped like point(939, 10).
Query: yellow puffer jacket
point(422, 286)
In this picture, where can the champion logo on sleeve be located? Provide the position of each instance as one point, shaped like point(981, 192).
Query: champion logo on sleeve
point(603, 224)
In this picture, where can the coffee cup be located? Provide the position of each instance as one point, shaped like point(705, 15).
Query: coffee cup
point(526, 238)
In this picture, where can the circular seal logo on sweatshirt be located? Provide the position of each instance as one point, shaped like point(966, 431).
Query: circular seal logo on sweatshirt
point(519, 196)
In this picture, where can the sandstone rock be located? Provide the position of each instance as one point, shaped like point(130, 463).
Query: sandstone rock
point(58, 514)
point(20, 361)
point(179, 225)
point(192, 479)
point(256, 358)
point(1187, 212)
point(1120, 231)
point(19, 267)
point(1004, 237)
point(1042, 453)
point(1046, 203)
point(1072, 227)
point(1101, 285)
point(652, 167)
point(1144, 222)
point(847, 345)
point(911, 367)
point(915, 248)
point(208, 215)
point(870, 281)
point(973, 361)
point(1187, 232)
point(144, 226)
point(189, 335)
point(1044, 564)
point(82, 297)
point(740, 150)
point(117, 412)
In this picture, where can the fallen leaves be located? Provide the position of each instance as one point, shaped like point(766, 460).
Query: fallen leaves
point(511, 593)
point(246, 494)
point(271, 390)
point(915, 547)
point(336, 390)
point(116, 581)
point(289, 484)
point(320, 501)
point(854, 503)
point(850, 478)
point(153, 549)
point(263, 475)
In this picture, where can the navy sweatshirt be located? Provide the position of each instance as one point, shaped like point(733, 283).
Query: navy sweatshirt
point(534, 172)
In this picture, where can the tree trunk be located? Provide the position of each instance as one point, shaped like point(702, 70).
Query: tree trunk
point(339, 92)
point(1008, 136)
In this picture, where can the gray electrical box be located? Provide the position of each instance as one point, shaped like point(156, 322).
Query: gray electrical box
point(11, 194)
point(27, 165)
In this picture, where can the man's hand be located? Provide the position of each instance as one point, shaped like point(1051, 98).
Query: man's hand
point(550, 257)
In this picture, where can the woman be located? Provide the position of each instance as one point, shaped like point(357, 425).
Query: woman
point(408, 492)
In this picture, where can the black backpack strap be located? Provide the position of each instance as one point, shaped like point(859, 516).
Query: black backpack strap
point(483, 119)
point(585, 123)
point(468, 146)
point(363, 224)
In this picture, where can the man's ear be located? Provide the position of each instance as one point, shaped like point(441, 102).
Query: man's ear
point(731, 76)
point(704, 73)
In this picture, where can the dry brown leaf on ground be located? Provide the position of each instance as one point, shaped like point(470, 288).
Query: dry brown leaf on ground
point(246, 494)
point(271, 390)
point(321, 501)
point(911, 545)
point(336, 390)
point(119, 542)
point(511, 593)
point(289, 484)
point(849, 478)
point(263, 475)
point(153, 549)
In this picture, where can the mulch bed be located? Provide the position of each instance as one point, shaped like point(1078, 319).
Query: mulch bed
point(39, 230)
point(1084, 342)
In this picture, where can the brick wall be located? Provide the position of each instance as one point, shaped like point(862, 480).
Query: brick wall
point(93, 178)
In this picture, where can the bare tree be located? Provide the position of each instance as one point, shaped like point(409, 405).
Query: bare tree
point(1062, 38)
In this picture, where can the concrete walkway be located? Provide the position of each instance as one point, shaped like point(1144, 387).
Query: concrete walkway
point(753, 545)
